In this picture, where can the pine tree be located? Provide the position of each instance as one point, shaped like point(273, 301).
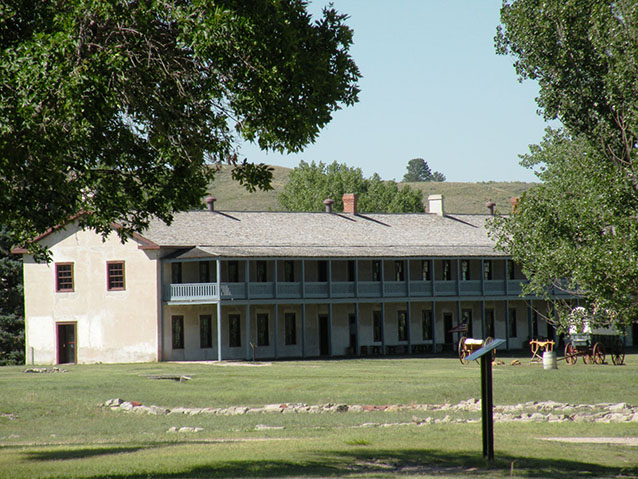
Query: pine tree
point(11, 304)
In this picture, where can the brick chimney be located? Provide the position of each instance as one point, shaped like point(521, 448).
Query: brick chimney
point(210, 201)
point(350, 203)
point(435, 205)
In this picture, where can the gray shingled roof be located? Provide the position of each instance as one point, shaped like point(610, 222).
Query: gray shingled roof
point(287, 234)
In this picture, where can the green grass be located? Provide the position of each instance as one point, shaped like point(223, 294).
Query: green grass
point(57, 428)
point(460, 198)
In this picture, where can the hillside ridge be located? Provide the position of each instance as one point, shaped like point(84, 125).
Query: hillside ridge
point(460, 197)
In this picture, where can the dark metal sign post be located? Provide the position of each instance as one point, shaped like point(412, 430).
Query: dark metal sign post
point(487, 404)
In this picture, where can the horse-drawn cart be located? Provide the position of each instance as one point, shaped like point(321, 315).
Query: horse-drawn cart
point(593, 345)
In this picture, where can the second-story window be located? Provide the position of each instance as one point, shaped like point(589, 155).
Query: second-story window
point(487, 270)
point(115, 276)
point(176, 273)
point(511, 272)
point(204, 272)
point(447, 270)
point(376, 270)
point(289, 271)
point(399, 271)
point(233, 271)
point(465, 270)
point(322, 271)
point(64, 277)
point(425, 270)
point(351, 270)
point(261, 272)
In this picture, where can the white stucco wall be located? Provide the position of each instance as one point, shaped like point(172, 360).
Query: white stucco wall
point(112, 326)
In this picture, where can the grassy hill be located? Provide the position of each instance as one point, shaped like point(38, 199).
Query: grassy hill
point(468, 198)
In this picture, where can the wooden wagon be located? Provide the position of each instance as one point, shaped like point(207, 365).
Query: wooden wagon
point(593, 345)
point(468, 345)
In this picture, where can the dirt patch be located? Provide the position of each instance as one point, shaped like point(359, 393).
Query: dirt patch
point(226, 363)
point(625, 441)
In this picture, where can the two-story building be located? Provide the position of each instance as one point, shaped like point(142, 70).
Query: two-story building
point(243, 285)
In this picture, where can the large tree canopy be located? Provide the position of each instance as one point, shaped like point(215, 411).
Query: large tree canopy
point(577, 230)
point(581, 223)
point(119, 108)
point(584, 56)
point(310, 184)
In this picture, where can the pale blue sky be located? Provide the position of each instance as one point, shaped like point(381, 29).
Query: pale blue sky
point(433, 88)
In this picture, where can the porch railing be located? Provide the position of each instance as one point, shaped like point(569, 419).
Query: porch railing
point(191, 292)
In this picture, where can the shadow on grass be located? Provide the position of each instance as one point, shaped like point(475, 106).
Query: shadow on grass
point(387, 463)
point(80, 453)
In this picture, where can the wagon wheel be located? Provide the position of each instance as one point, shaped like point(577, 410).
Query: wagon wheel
point(570, 353)
point(598, 354)
point(463, 352)
point(587, 357)
point(618, 354)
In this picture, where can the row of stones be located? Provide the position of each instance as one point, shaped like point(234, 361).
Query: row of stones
point(548, 411)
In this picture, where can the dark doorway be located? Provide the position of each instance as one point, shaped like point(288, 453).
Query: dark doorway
point(66, 343)
point(324, 335)
point(447, 326)
point(489, 323)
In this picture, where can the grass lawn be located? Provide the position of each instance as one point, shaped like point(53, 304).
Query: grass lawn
point(52, 425)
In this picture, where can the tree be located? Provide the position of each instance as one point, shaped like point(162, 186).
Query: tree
point(122, 110)
point(573, 231)
point(438, 176)
point(310, 184)
point(11, 304)
point(584, 57)
point(580, 223)
point(418, 170)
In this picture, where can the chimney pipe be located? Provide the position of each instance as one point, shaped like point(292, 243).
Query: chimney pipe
point(350, 203)
point(490, 206)
point(210, 201)
point(435, 205)
point(328, 202)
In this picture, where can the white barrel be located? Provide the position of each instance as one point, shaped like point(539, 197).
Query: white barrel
point(549, 360)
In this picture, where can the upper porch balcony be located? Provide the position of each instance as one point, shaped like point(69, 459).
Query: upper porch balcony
point(195, 292)
point(196, 281)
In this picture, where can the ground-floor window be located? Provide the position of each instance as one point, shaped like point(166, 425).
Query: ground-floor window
point(290, 320)
point(205, 331)
point(262, 330)
point(234, 331)
point(177, 326)
point(402, 325)
point(427, 324)
point(513, 329)
point(377, 327)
